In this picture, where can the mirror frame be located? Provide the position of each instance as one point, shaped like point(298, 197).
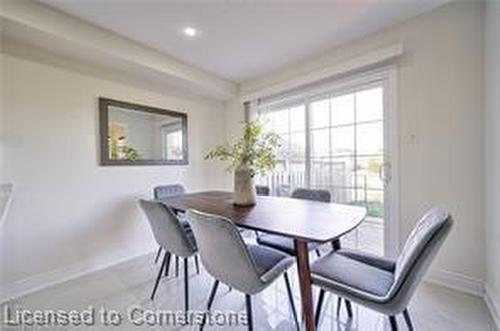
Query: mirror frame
point(105, 103)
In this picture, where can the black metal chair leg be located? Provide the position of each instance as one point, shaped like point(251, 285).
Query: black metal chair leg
point(163, 264)
point(167, 267)
point(339, 305)
point(336, 244)
point(186, 285)
point(406, 315)
point(318, 253)
point(248, 300)
point(176, 266)
point(290, 297)
point(349, 308)
point(394, 323)
point(197, 264)
point(158, 253)
point(319, 306)
point(210, 302)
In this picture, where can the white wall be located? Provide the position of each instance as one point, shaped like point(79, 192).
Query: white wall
point(69, 214)
point(492, 153)
point(440, 100)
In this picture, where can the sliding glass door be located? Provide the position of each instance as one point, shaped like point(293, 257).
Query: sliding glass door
point(336, 141)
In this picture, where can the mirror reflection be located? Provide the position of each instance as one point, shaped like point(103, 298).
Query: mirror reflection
point(141, 135)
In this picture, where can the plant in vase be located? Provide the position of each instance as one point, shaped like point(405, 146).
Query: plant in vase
point(253, 153)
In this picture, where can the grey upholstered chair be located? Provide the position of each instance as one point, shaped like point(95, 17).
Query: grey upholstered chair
point(286, 244)
point(381, 284)
point(247, 268)
point(262, 190)
point(172, 237)
point(165, 191)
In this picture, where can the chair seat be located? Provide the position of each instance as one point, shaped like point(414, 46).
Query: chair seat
point(281, 243)
point(339, 273)
point(270, 262)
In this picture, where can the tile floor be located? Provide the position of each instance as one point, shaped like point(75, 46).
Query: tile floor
point(433, 308)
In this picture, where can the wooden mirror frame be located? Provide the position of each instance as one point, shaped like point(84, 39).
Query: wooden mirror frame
point(105, 103)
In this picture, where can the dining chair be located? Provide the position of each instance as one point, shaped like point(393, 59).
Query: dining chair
point(245, 267)
point(172, 237)
point(262, 190)
point(165, 191)
point(285, 244)
point(381, 284)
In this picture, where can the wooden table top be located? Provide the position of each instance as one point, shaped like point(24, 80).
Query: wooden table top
point(299, 219)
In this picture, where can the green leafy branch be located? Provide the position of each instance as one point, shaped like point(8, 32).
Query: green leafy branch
point(256, 149)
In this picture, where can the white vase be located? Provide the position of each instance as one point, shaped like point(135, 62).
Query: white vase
point(244, 189)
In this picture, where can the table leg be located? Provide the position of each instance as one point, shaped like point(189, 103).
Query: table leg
point(304, 271)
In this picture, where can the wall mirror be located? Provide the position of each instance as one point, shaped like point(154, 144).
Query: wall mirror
point(132, 134)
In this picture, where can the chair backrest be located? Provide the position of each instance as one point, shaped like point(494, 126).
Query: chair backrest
point(262, 190)
point(223, 251)
point(167, 230)
point(312, 194)
point(419, 251)
point(164, 191)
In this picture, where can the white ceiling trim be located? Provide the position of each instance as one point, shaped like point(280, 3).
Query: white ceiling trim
point(58, 29)
point(370, 59)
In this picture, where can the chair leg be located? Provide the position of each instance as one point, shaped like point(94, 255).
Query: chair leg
point(290, 297)
point(319, 306)
point(158, 253)
point(394, 323)
point(318, 253)
point(210, 302)
point(176, 266)
point(339, 305)
point(248, 300)
point(186, 285)
point(197, 263)
point(167, 267)
point(349, 308)
point(163, 264)
point(406, 315)
point(336, 244)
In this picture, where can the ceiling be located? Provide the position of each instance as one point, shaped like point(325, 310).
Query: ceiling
point(240, 40)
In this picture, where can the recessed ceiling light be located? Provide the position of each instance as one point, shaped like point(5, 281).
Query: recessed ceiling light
point(190, 31)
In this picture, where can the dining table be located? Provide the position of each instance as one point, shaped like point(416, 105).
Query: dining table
point(304, 221)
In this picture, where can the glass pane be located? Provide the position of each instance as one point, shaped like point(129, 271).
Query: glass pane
point(297, 146)
point(297, 173)
point(372, 200)
point(342, 140)
point(173, 145)
point(279, 120)
point(343, 196)
point(368, 172)
point(370, 138)
point(369, 105)
point(320, 173)
point(343, 171)
point(320, 143)
point(298, 118)
point(343, 109)
point(320, 114)
point(266, 121)
point(284, 146)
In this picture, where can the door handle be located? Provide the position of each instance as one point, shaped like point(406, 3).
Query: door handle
point(384, 173)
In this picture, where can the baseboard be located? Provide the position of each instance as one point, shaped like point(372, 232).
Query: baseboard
point(493, 302)
point(51, 278)
point(456, 282)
